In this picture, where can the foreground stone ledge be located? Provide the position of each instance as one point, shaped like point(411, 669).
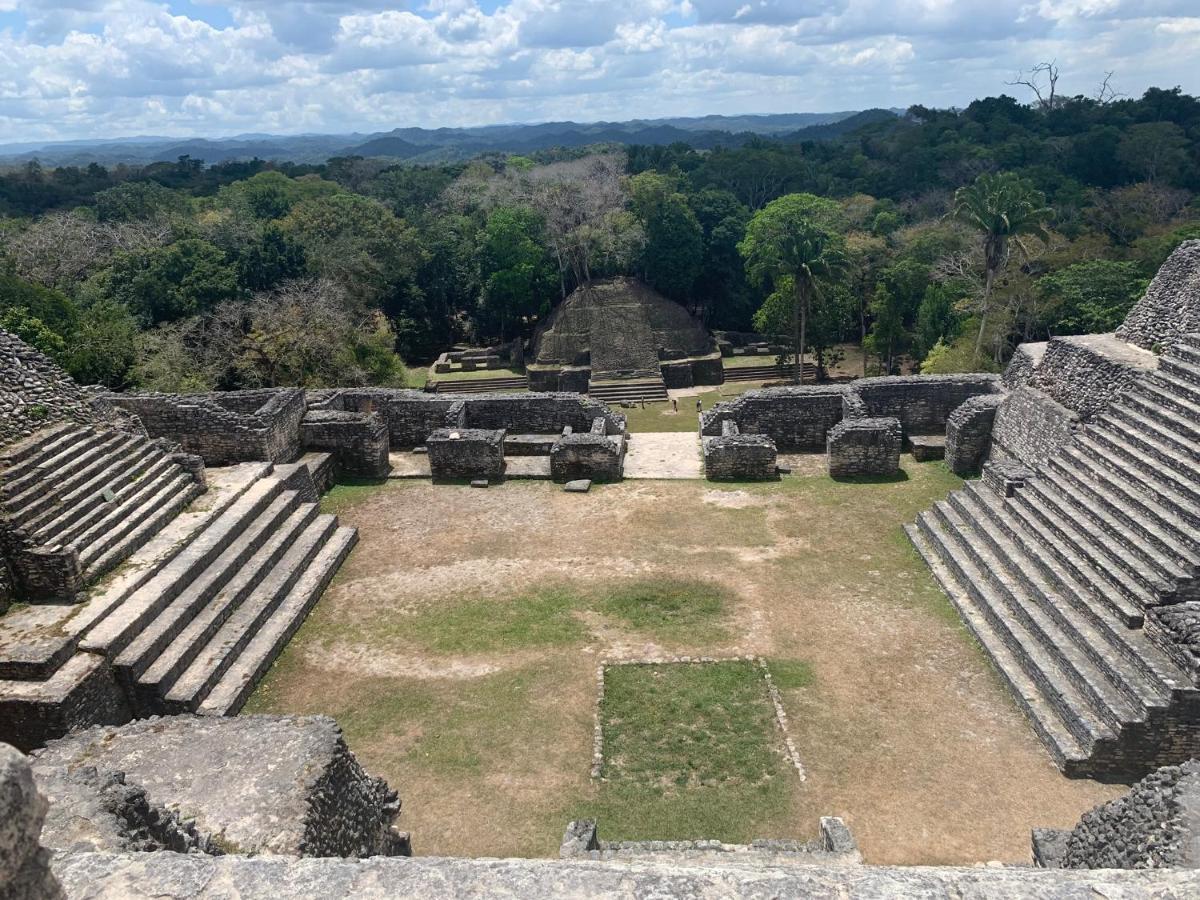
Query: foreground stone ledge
point(172, 876)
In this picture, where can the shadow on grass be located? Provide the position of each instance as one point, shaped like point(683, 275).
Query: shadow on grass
point(894, 478)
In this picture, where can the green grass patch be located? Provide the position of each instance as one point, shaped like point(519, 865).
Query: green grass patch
point(668, 608)
point(349, 493)
point(690, 750)
point(789, 674)
point(544, 618)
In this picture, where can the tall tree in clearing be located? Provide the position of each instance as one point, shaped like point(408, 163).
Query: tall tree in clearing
point(1003, 208)
point(793, 246)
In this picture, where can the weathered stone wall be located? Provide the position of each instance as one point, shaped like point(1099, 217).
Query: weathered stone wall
point(1155, 826)
point(224, 427)
point(922, 403)
point(34, 392)
point(698, 370)
point(358, 441)
point(592, 455)
point(1086, 372)
point(29, 720)
point(1170, 307)
point(93, 809)
point(250, 784)
point(141, 876)
point(858, 447)
point(466, 453)
point(412, 415)
point(1030, 426)
point(969, 433)
point(795, 418)
point(1025, 360)
point(739, 457)
point(24, 863)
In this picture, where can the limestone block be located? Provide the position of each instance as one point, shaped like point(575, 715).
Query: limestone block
point(870, 446)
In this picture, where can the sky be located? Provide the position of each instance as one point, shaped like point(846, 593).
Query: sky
point(74, 69)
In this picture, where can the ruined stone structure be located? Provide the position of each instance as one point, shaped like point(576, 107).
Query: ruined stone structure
point(735, 456)
point(864, 446)
point(252, 784)
point(1074, 561)
point(1155, 826)
point(617, 340)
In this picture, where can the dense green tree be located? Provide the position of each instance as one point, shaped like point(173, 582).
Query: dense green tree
point(518, 276)
point(1090, 297)
point(272, 257)
point(136, 200)
point(791, 244)
point(898, 293)
point(171, 282)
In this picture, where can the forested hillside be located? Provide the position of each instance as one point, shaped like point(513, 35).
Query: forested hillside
point(941, 238)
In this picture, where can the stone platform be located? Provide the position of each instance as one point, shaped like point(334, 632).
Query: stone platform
point(665, 454)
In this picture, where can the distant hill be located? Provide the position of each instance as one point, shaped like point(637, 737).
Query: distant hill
point(446, 144)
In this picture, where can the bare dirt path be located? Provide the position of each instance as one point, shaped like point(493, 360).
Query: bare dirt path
point(905, 730)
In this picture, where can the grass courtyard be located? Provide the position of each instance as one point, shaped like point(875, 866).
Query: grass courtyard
point(459, 644)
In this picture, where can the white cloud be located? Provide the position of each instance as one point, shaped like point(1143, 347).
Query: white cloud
point(76, 68)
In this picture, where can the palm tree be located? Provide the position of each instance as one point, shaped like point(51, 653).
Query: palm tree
point(1003, 208)
point(792, 245)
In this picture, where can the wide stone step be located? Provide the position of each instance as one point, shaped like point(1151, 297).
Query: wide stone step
point(125, 478)
point(1126, 609)
point(1152, 406)
point(1124, 452)
point(193, 686)
point(1139, 518)
point(33, 464)
point(1147, 566)
point(1179, 368)
point(240, 679)
point(1143, 676)
point(114, 632)
point(162, 673)
point(150, 642)
point(1136, 470)
point(1066, 750)
point(44, 487)
point(157, 494)
point(1183, 444)
point(1176, 393)
point(16, 456)
point(1170, 459)
point(1084, 700)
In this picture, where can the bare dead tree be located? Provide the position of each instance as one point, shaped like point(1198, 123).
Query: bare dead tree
point(1043, 81)
point(1106, 93)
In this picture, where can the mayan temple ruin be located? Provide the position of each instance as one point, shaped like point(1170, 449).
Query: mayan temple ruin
point(173, 563)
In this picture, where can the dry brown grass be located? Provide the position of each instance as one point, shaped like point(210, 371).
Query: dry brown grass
point(904, 729)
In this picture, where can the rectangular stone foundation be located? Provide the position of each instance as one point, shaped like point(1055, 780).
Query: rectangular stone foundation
point(859, 447)
point(456, 453)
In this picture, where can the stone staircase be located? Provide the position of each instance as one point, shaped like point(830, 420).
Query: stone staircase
point(480, 385)
point(649, 389)
point(1056, 581)
point(194, 630)
point(769, 373)
point(102, 492)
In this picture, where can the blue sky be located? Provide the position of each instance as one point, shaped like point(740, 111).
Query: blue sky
point(109, 68)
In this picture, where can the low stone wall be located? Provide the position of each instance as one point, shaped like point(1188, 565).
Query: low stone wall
point(1155, 826)
point(695, 370)
point(739, 457)
point(1170, 308)
point(858, 447)
point(1030, 426)
point(593, 455)
point(358, 441)
point(1086, 372)
point(466, 453)
point(795, 418)
point(248, 784)
point(412, 415)
point(969, 433)
point(922, 403)
point(224, 427)
point(1025, 360)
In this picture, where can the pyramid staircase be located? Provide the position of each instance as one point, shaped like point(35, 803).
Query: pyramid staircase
point(1056, 581)
point(634, 389)
point(103, 492)
point(480, 385)
point(189, 626)
point(769, 373)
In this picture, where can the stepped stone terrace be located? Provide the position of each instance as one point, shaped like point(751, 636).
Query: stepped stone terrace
point(169, 560)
